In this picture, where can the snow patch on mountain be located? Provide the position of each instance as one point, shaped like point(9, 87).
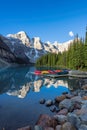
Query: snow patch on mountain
point(22, 36)
point(34, 48)
point(37, 44)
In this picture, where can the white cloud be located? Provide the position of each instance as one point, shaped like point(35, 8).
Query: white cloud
point(71, 34)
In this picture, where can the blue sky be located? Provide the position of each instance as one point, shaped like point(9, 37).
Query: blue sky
point(49, 19)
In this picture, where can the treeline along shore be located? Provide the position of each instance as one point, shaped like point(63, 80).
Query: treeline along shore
point(74, 58)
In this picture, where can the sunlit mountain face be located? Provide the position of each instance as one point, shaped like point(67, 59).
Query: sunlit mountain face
point(20, 49)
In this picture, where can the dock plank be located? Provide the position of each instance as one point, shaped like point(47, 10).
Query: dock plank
point(65, 75)
point(56, 75)
point(78, 76)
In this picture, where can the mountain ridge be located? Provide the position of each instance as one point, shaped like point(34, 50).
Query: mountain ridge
point(36, 43)
point(26, 50)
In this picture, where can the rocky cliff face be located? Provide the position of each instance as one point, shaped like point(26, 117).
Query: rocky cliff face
point(32, 49)
point(21, 36)
point(19, 48)
point(37, 44)
point(49, 47)
point(5, 52)
point(13, 53)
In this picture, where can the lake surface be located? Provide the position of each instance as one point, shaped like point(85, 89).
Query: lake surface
point(20, 93)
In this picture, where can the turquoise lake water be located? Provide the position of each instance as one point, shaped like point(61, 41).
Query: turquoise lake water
point(20, 93)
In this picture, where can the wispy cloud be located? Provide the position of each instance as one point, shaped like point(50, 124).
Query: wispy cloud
point(71, 34)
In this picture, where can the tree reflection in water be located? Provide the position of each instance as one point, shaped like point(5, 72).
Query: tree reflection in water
point(18, 81)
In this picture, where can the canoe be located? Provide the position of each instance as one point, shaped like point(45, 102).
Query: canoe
point(37, 72)
point(58, 71)
point(51, 72)
point(62, 72)
point(44, 72)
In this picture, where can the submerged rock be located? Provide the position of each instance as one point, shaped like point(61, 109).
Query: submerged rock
point(25, 128)
point(65, 93)
point(69, 96)
point(49, 103)
point(53, 108)
point(60, 98)
point(42, 101)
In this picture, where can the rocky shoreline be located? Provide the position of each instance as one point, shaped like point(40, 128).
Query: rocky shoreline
point(69, 109)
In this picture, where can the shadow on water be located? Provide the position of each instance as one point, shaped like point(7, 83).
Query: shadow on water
point(14, 77)
point(20, 92)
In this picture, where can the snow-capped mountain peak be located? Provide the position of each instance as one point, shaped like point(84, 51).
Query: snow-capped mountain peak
point(37, 44)
point(22, 32)
point(29, 50)
point(48, 42)
point(22, 36)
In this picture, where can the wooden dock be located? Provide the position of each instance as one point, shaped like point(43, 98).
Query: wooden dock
point(78, 76)
point(65, 75)
point(56, 75)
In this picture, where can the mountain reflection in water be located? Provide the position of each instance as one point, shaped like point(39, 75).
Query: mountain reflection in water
point(22, 108)
point(18, 81)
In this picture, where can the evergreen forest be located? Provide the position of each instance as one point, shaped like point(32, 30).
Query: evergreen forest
point(74, 58)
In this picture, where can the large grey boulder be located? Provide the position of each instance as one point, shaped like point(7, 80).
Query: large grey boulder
point(60, 118)
point(83, 127)
point(58, 127)
point(68, 126)
point(46, 121)
point(76, 99)
point(83, 118)
point(66, 103)
point(74, 120)
point(63, 112)
point(37, 127)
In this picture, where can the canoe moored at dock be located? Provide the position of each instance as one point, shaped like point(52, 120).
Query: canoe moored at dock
point(37, 72)
point(51, 72)
point(58, 71)
point(63, 72)
point(44, 72)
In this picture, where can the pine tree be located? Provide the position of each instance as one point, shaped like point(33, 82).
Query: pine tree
point(86, 36)
point(85, 50)
point(74, 58)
